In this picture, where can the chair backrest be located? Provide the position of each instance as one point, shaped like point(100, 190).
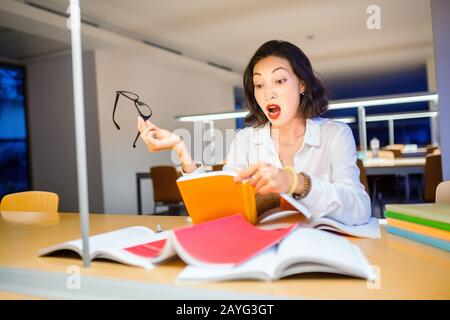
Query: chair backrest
point(362, 175)
point(432, 176)
point(165, 188)
point(396, 149)
point(217, 167)
point(430, 148)
point(35, 201)
point(396, 146)
point(443, 192)
point(436, 151)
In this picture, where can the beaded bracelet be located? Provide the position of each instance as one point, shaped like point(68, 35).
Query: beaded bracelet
point(306, 187)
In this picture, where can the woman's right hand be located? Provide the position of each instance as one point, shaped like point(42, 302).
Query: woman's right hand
point(158, 139)
point(155, 138)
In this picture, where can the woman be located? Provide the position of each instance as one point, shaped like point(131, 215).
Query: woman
point(288, 148)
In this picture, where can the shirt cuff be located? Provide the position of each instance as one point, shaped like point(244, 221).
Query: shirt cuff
point(199, 170)
point(314, 200)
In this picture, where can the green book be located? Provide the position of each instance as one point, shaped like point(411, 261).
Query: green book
point(428, 214)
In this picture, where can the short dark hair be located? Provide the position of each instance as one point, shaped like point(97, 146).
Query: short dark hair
point(313, 103)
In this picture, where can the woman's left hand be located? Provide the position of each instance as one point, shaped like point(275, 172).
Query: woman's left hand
point(265, 178)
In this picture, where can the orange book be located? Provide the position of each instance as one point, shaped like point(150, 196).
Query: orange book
point(420, 229)
point(213, 195)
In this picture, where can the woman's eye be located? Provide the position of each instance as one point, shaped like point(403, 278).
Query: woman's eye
point(257, 86)
point(281, 81)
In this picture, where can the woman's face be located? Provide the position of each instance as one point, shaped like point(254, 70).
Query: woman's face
point(277, 89)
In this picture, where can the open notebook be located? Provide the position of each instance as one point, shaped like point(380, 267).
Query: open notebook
point(302, 251)
point(110, 245)
point(281, 218)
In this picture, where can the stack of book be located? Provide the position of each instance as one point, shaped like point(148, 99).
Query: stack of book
point(427, 223)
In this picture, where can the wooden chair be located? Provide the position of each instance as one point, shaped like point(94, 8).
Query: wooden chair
point(396, 149)
point(362, 175)
point(34, 201)
point(217, 167)
point(443, 192)
point(436, 151)
point(432, 176)
point(430, 148)
point(165, 189)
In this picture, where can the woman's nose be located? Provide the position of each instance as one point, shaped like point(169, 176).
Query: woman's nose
point(269, 93)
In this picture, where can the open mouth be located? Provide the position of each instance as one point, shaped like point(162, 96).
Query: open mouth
point(273, 110)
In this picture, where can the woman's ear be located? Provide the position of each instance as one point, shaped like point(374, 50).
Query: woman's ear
point(302, 88)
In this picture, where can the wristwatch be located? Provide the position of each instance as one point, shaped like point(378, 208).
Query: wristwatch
point(306, 187)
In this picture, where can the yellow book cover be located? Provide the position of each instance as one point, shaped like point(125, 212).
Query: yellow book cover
point(420, 229)
point(213, 195)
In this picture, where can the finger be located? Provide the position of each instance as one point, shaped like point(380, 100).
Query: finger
point(248, 172)
point(140, 125)
point(262, 181)
point(147, 132)
point(255, 178)
point(151, 124)
point(265, 189)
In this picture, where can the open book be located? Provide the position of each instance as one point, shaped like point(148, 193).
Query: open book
point(277, 218)
point(222, 242)
point(110, 245)
point(213, 195)
point(303, 250)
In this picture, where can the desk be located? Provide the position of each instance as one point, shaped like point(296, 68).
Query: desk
point(401, 166)
point(409, 270)
point(419, 152)
point(381, 166)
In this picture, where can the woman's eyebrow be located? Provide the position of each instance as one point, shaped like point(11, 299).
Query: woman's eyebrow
point(279, 68)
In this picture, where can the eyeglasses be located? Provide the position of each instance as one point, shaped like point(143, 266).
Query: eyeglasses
point(142, 108)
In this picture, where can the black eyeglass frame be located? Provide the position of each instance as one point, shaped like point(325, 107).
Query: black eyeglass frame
point(137, 103)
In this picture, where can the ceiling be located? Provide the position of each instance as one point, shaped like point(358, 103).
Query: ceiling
point(19, 46)
point(227, 32)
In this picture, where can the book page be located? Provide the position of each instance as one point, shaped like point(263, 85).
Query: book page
point(207, 174)
point(305, 245)
point(281, 218)
point(259, 267)
point(297, 205)
point(368, 230)
point(103, 242)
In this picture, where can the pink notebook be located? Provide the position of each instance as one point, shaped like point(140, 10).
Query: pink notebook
point(225, 241)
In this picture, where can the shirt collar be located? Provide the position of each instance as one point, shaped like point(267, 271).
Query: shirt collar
point(312, 135)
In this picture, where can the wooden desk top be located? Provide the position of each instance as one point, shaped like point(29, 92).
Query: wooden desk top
point(409, 270)
point(396, 162)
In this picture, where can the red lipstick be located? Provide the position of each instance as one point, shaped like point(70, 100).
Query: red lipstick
point(273, 110)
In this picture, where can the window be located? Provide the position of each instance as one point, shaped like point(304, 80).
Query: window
point(14, 160)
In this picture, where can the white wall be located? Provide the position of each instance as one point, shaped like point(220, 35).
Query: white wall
point(172, 86)
point(52, 130)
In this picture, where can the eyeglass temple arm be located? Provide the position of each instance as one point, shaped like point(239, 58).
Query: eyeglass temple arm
point(135, 140)
point(114, 111)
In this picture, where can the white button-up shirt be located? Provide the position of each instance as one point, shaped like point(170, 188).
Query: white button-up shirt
point(328, 155)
